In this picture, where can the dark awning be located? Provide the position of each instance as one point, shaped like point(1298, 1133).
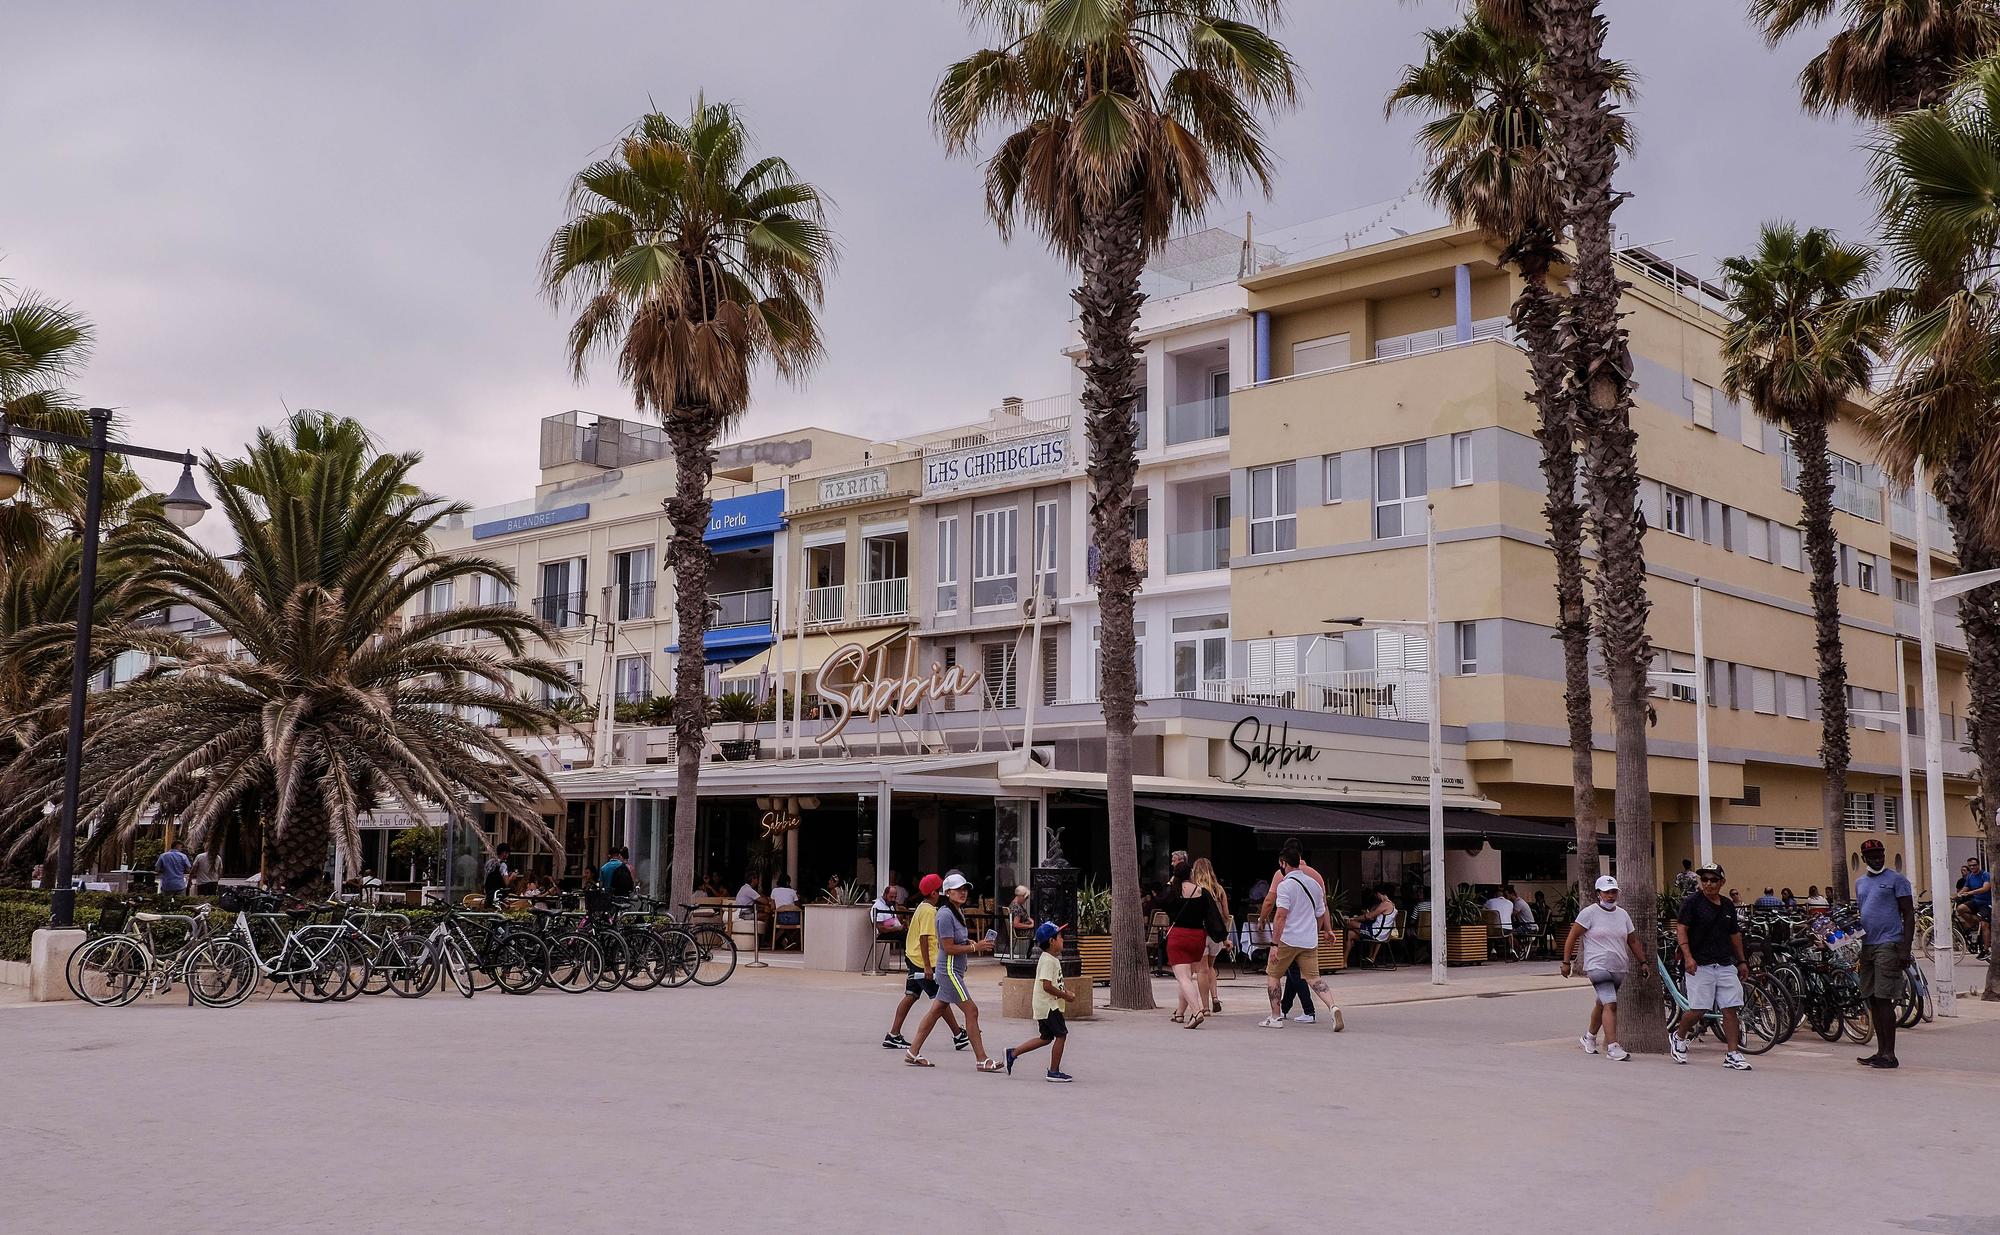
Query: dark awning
point(1397, 823)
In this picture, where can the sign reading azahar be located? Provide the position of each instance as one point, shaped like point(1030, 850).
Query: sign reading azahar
point(849, 685)
point(985, 465)
point(871, 483)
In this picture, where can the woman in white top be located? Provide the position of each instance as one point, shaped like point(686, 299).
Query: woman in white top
point(1611, 947)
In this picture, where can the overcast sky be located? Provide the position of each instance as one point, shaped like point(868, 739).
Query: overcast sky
point(341, 206)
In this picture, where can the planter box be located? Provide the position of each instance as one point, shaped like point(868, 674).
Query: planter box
point(1093, 952)
point(1332, 951)
point(1466, 945)
point(838, 937)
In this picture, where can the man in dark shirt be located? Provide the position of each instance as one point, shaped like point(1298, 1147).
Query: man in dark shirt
point(616, 875)
point(1711, 945)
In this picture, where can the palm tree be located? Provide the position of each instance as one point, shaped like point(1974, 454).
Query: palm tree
point(324, 704)
point(693, 264)
point(1890, 56)
point(1934, 172)
point(1488, 143)
point(1121, 120)
point(1796, 347)
point(1581, 86)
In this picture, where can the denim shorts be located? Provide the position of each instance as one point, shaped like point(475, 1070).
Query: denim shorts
point(1714, 986)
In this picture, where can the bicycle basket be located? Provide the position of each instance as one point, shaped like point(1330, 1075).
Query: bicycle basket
point(114, 915)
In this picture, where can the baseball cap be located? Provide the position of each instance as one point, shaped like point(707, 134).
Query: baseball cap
point(1709, 868)
point(929, 885)
point(1871, 846)
point(954, 881)
point(1606, 883)
point(1045, 932)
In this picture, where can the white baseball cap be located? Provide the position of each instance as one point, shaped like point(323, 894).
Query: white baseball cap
point(1606, 883)
point(956, 880)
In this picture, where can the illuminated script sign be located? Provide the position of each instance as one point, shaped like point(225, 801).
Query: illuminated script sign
point(853, 682)
point(776, 824)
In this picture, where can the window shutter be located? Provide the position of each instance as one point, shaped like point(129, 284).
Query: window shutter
point(1048, 669)
point(1764, 692)
point(1263, 663)
point(1000, 674)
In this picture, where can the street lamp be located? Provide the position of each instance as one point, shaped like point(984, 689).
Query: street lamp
point(1429, 629)
point(184, 509)
point(1698, 679)
point(1901, 719)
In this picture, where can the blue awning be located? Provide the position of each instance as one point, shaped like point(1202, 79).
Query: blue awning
point(732, 643)
point(733, 544)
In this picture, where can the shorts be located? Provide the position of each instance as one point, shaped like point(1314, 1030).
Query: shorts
point(1605, 983)
point(1714, 986)
point(1983, 912)
point(1052, 1027)
point(1186, 945)
point(1882, 971)
point(1284, 954)
point(950, 988)
point(916, 981)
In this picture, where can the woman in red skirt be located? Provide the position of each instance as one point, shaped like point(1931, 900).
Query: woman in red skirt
point(1191, 915)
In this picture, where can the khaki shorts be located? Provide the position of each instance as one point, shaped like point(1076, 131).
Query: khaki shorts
point(1882, 972)
point(1282, 956)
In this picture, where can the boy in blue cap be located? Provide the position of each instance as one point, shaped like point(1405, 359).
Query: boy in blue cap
point(1050, 1028)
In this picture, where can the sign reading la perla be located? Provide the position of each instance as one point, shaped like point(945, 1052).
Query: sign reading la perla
point(854, 682)
point(980, 466)
point(845, 488)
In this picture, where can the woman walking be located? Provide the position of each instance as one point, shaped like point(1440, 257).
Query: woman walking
point(1204, 874)
point(955, 944)
point(1192, 919)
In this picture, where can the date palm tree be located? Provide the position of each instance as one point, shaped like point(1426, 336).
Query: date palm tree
point(1581, 85)
point(1888, 56)
point(1797, 345)
point(1487, 142)
point(1118, 119)
point(692, 263)
point(324, 703)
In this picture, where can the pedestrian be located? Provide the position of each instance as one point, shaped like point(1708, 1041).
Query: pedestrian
point(1301, 914)
point(203, 874)
point(920, 953)
point(1711, 944)
point(1050, 998)
point(955, 943)
point(1889, 927)
point(1979, 902)
point(1204, 874)
point(172, 868)
point(1685, 884)
point(495, 880)
point(1611, 946)
point(1295, 990)
point(1192, 919)
point(615, 876)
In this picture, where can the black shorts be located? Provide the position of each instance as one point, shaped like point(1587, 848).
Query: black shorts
point(1052, 1026)
point(916, 982)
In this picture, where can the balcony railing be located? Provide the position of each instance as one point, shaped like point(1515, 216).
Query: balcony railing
point(1383, 694)
point(1849, 494)
point(885, 598)
point(827, 604)
point(1197, 420)
point(635, 601)
point(748, 608)
point(560, 609)
point(1949, 632)
point(1903, 522)
point(1188, 552)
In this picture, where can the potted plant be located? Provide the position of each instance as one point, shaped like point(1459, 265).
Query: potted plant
point(1465, 929)
point(1093, 931)
point(839, 930)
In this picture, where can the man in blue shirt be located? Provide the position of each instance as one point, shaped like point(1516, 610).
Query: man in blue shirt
point(616, 875)
point(1976, 897)
point(1889, 927)
point(172, 868)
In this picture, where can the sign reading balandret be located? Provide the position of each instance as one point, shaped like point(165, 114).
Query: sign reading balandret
point(851, 485)
point(852, 682)
point(529, 522)
point(982, 466)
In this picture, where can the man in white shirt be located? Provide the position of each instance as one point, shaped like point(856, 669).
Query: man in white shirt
point(1610, 948)
point(1503, 905)
point(1295, 930)
point(748, 898)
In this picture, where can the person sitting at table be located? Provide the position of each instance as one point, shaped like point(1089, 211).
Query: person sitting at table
point(888, 923)
point(834, 890)
point(784, 905)
point(895, 892)
point(1377, 923)
point(1020, 922)
point(750, 898)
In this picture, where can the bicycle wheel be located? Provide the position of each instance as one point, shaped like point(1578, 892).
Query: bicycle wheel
point(112, 971)
point(681, 955)
point(715, 955)
point(1826, 1020)
point(401, 963)
point(1759, 1020)
point(617, 959)
point(517, 963)
point(648, 965)
point(574, 963)
point(352, 963)
point(1859, 1025)
point(377, 981)
point(458, 967)
point(221, 974)
point(75, 955)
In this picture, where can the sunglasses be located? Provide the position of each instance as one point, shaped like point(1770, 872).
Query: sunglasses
point(1711, 879)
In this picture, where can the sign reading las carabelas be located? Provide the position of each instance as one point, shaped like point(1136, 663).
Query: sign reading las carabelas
point(980, 466)
point(852, 682)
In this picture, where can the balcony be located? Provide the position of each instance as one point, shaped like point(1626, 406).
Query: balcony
point(749, 608)
point(1903, 523)
point(1950, 634)
point(1189, 552)
point(884, 598)
point(1384, 695)
point(560, 609)
point(634, 601)
point(1197, 420)
point(1861, 500)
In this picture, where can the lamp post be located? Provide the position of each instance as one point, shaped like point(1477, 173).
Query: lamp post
point(1698, 679)
point(184, 508)
point(1901, 719)
point(1429, 629)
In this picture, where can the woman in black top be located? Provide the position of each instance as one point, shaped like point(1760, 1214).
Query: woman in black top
point(1191, 915)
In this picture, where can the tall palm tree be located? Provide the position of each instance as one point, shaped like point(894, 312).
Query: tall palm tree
point(324, 704)
point(1796, 346)
point(1935, 172)
point(1889, 56)
point(1120, 119)
point(692, 263)
point(1488, 144)
point(1598, 373)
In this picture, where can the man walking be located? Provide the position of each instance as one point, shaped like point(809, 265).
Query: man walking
point(172, 867)
point(494, 882)
point(1889, 926)
point(1610, 948)
point(920, 953)
point(1711, 944)
point(1295, 930)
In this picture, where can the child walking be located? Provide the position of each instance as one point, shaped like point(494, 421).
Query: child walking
point(1051, 1030)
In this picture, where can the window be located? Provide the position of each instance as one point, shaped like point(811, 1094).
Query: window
point(1906, 588)
point(1757, 537)
point(1000, 681)
point(1788, 546)
point(1274, 665)
point(947, 565)
point(1201, 652)
point(1673, 688)
point(1138, 660)
point(1704, 405)
point(439, 598)
point(633, 676)
point(993, 541)
point(1319, 355)
point(1401, 488)
point(1753, 795)
point(1674, 516)
point(1795, 838)
point(491, 590)
point(573, 670)
point(1049, 666)
point(1142, 517)
point(1330, 467)
point(1793, 688)
point(1045, 545)
point(632, 583)
point(1891, 808)
point(561, 601)
point(1274, 520)
point(1860, 813)
point(1465, 648)
point(1461, 459)
point(1864, 572)
point(1764, 692)
point(1753, 437)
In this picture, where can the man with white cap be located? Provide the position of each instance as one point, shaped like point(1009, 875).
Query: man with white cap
point(1610, 947)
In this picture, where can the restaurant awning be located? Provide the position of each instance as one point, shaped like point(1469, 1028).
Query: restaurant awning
point(1391, 823)
point(781, 658)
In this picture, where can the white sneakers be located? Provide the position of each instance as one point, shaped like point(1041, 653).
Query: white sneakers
point(1735, 1062)
point(1677, 1046)
point(1589, 1044)
point(1271, 1022)
point(1616, 1053)
point(1306, 1018)
point(1611, 1050)
point(1303, 1018)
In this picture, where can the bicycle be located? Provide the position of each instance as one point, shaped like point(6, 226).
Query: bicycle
point(115, 968)
point(314, 959)
point(1757, 1019)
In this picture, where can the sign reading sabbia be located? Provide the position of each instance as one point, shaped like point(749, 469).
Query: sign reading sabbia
point(851, 683)
point(1256, 745)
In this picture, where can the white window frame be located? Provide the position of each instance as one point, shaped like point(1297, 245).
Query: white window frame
point(1329, 467)
point(1138, 659)
point(1280, 526)
point(1864, 572)
point(1857, 813)
point(1465, 648)
point(1045, 542)
point(995, 552)
point(1411, 508)
point(1795, 838)
point(1461, 459)
point(1208, 643)
point(947, 563)
point(1676, 511)
point(639, 667)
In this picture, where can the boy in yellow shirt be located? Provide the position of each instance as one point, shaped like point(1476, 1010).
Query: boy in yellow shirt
point(920, 956)
point(1051, 996)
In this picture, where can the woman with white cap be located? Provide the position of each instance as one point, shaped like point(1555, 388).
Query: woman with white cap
point(1610, 947)
point(955, 943)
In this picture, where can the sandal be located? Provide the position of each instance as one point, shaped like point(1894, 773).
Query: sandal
point(1177, 1018)
point(988, 1065)
point(1194, 1022)
point(917, 1061)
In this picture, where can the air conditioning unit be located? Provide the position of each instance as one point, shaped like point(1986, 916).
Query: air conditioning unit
point(629, 747)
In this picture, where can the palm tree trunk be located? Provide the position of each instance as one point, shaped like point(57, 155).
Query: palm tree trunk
point(1809, 441)
point(1600, 382)
point(1108, 300)
point(691, 432)
point(1536, 318)
point(1976, 614)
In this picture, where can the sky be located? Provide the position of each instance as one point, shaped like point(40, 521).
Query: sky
point(342, 206)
